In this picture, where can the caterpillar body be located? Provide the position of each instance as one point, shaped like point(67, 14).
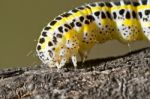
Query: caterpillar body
point(75, 32)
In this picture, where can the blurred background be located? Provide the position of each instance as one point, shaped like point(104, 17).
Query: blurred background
point(21, 22)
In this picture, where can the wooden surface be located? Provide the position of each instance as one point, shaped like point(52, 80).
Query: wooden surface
point(124, 77)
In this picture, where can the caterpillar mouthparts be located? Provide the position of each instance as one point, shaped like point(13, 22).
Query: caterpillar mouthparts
point(75, 32)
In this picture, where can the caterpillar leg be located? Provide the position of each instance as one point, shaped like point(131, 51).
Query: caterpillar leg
point(62, 63)
point(74, 60)
point(83, 56)
point(129, 46)
point(57, 65)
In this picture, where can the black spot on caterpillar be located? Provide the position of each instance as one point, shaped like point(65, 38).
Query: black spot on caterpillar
point(75, 32)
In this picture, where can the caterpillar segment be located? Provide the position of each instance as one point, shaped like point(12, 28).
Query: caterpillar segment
point(75, 32)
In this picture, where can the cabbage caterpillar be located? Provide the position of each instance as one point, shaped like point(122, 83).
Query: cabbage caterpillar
point(75, 32)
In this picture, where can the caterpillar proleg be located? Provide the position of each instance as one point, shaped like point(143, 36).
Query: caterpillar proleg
point(75, 32)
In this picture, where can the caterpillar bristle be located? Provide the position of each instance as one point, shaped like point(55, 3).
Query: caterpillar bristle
point(75, 32)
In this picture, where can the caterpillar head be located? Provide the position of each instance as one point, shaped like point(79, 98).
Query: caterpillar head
point(49, 54)
point(55, 50)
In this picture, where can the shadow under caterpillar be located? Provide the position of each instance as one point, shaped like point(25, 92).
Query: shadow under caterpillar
point(75, 32)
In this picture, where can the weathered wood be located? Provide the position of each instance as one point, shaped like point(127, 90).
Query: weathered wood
point(113, 78)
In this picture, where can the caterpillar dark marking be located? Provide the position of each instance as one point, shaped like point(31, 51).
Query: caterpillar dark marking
point(75, 32)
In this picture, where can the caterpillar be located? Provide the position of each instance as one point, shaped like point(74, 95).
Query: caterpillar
point(75, 32)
